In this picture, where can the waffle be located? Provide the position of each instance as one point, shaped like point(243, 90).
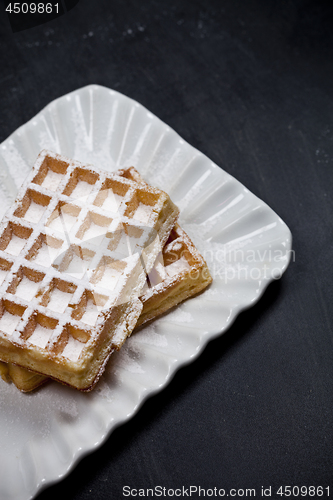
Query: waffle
point(25, 380)
point(179, 273)
point(74, 252)
point(165, 287)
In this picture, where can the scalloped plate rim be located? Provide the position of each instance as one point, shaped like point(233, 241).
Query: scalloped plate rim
point(205, 337)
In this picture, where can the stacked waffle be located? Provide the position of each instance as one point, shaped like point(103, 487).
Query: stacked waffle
point(85, 257)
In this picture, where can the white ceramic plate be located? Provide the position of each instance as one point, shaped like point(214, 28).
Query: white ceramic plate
point(245, 244)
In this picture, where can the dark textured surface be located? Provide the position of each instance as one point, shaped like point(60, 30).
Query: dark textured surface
point(250, 85)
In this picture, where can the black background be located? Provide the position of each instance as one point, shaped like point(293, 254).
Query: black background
point(250, 84)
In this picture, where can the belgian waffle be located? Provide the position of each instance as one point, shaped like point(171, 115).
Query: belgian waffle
point(74, 252)
point(178, 274)
point(181, 273)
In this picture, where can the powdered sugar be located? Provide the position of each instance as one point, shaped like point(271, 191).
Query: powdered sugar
point(142, 213)
point(73, 349)
point(112, 201)
point(110, 278)
point(15, 245)
point(59, 300)
point(82, 190)
point(8, 322)
point(40, 336)
point(180, 316)
point(46, 255)
point(63, 223)
point(3, 275)
point(178, 266)
point(126, 361)
point(91, 313)
point(52, 180)
point(34, 212)
point(26, 289)
point(148, 335)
